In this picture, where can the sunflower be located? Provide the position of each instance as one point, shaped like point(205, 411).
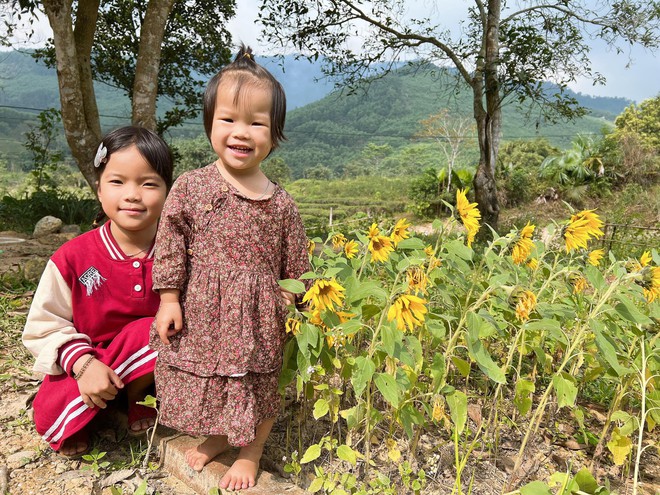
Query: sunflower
point(338, 241)
point(523, 247)
point(469, 215)
point(429, 251)
point(646, 258)
point(578, 282)
point(324, 294)
point(380, 248)
point(651, 282)
point(523, 301)
point(351, 248)
point(533, 263)
point(582, 227)
point(417, 279)
point(408, 311)
point(293, 326)
point(373, 230)
point(400, 231)
point(594, 257)
point(311, 245)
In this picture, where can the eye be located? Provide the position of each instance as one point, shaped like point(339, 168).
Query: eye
point(258, 123)
point(228, 120)
point(115, 181)
point(151, 184)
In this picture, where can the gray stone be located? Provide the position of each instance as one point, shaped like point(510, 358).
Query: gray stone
point(47, 225)
point(20, 459)
point(70, 229)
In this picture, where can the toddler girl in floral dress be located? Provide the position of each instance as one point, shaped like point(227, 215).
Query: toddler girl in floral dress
point(227, 235)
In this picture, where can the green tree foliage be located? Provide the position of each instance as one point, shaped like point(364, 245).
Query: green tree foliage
point(148, 48)
point(505, 53)
point(276, 170)
point(643, 120)
point(518, 170)
point(192, 153)
point(40, 143)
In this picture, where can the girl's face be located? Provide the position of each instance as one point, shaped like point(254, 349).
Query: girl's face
point(240, 135)
point(131, 193)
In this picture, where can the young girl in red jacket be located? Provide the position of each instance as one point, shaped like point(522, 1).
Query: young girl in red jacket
point(88, 325)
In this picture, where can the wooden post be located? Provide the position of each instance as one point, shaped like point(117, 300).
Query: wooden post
point(330, 220)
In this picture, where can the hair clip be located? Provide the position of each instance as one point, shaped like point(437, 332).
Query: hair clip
point(101, 153)
point(248, 55)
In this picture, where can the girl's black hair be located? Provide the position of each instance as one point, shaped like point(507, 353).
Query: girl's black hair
point(149, 144)
point(244, 69)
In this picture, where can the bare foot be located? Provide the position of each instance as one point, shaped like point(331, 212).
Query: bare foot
point(243, 473)
point(142, 425)
point(76, 445)
point(201, 455)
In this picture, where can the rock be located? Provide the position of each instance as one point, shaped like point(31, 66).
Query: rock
point(70, 229)
point(33, 268)
point(47, 225)
point(20, 459)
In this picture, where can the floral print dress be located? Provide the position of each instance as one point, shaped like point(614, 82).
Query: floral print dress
point(225, 253)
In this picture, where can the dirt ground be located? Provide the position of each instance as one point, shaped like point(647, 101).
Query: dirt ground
point(28, 466)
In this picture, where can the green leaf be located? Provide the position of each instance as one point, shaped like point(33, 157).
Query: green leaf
point(293, 286)
point(388, 387)
point(606, 348)
point(523, 399)
point(311, 454)
point(411, 243)
point(437, 370)
point(586, 481)
point(345, 453)
point(479, 353)
point(362, 372)
point(315, 485)
point(565, 388)
point(462, 365)
point(457, 402)
point(367, 289)
point(149, 401)
point(627, 309)
point(535, 488)
point(142, 489)
point(595, 278)
point(321, 408)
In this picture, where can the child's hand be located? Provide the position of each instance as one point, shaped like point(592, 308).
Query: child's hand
point(289, 297)
point(169, 321)
point(98, 383)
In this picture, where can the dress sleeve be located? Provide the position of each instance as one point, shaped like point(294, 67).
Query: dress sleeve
point(169, 271)
point(49, 332)
point(295, 260)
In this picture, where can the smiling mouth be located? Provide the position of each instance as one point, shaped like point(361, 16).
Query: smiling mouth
point(240, 149)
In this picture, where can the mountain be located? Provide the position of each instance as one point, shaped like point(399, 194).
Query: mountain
point(325, 127)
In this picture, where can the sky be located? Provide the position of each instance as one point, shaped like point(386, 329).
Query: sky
point(633, 74)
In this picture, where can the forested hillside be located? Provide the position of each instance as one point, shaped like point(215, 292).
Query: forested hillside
point(327, 136)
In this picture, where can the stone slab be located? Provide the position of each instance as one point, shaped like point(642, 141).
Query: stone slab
point(173, 447)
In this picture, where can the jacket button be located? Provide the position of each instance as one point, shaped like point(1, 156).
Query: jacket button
point(189, 251)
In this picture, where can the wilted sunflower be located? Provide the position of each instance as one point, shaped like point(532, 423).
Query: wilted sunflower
point(524, 302)
point(429, 251)
point(578, 282)
point(324, 294)
point(523, 247)
point(533, 263)
point(400, 231)
point(646, 259)
point(293, 326)
point(380, 248)
point(351, 248)
point(373, 230)
point(651, 282)
point(594, 257)
point(581, 228)
point(311, 245)
point(338, 241)
point(408, 311)
point(469, 214)
point(417, 279)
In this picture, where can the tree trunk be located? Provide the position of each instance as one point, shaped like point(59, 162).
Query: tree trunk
point(489, 121)
point(80, 116)
point(145, 85)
